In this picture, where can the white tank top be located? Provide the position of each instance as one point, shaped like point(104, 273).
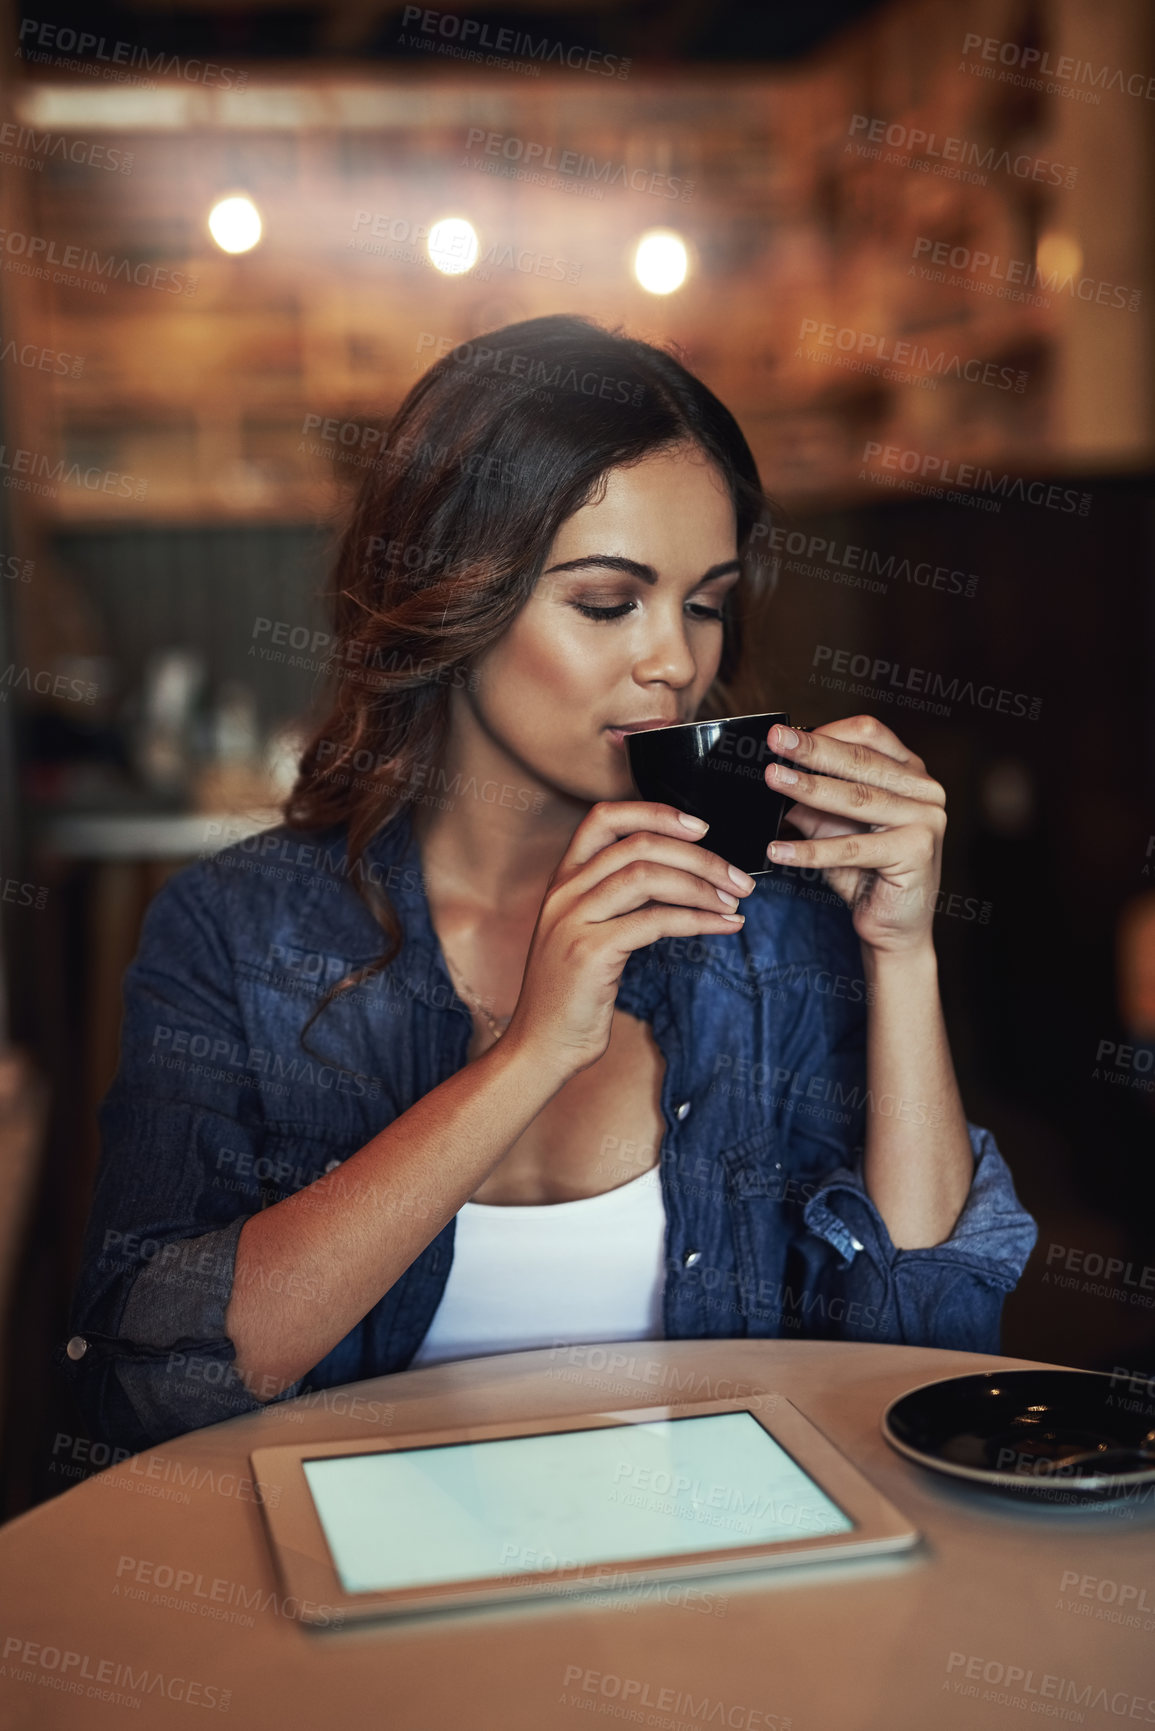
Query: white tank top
point(553, 1273)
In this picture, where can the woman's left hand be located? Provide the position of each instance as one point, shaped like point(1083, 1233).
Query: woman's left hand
point(876, 833)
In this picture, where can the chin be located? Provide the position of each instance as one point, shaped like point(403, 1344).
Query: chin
point(612, 784)
point(620, 788)
point(606, 772)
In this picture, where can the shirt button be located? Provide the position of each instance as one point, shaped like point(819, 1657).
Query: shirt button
point(77, 1347)
point(855, 1243)
point(682, 1111)
point(691, 1257)
point(332, 1166)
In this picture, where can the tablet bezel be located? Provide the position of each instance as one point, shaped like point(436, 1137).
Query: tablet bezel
point(309, 1571)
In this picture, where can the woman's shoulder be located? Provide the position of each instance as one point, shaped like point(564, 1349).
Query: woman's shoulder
point(249, 860)
point(252, 883)
point(300, 889)
point(270, 862)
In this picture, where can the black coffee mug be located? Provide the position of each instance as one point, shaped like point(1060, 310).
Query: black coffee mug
point(716, 770)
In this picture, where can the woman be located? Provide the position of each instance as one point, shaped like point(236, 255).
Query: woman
point(597, 1085)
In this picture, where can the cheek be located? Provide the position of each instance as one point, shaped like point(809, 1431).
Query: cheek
point(533, 681)
point(708, 657)
point(539, 663)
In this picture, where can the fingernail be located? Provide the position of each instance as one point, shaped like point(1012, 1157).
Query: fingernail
point(737, 918)
point(693, 823)
point(725, 896)
point(743, 879)
point(786, 735)
point(780, 773)
point(781, 850)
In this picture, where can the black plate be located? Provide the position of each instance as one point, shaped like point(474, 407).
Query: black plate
point(1058, 1435)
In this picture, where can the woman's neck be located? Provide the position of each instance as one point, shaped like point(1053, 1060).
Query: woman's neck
point(500, 836)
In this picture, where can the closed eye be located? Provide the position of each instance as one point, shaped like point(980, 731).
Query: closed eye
point(624, 607)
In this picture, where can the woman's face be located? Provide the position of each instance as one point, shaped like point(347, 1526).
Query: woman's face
point(659, 550)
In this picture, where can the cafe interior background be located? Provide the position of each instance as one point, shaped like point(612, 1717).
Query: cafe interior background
point(906, 243)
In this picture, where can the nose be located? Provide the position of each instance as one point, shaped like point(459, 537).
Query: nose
point(666, 654)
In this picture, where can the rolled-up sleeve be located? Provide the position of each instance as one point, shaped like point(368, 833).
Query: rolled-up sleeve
point(181, 1133)
point(947, 1295)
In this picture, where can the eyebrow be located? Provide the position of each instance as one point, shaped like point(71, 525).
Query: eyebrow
point(633, 568)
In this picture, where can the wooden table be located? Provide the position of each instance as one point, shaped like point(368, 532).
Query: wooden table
point(153, 1582)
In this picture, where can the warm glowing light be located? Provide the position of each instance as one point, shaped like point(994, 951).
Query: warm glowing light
point(661, 261)
point(1058, 254)
point(235, 224)
point(453, 245)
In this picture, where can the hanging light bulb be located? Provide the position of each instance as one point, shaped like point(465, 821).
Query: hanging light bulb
point(235, 223)
point(453, 246)
point(661, 261)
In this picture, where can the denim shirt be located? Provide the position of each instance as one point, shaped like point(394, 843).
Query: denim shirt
point(216, 1111)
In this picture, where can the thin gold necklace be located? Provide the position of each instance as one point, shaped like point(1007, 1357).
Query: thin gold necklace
point(497, 1027)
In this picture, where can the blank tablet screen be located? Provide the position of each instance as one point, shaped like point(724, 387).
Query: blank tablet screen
point(515, 1505)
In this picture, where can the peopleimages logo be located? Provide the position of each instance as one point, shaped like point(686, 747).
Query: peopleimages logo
point(1090, 1264)
point(43, 360)
point(1011, 1685)
point(33, 472)
point(667, 1703)
point(933, 475)
point(886, 677)
point(218, 1597)
point(397, 237)
point(24, 147)
point(117, 1682)
point(911, 146)
point(535, 157)
point(818, 556)
point(974, 262)
point(15, 678)
point(469, 35)
point(502, 366)
point(874, 348)
point(31, 254)
point(37, 38)
point(1036, 64)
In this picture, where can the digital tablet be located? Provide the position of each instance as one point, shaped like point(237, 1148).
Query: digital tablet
point(589, 1501)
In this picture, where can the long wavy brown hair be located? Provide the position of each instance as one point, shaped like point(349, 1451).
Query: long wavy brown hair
point(440, 547)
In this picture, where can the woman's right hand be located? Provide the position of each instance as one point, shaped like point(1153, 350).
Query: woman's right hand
point(629, 876)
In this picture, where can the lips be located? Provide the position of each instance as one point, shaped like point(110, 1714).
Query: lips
point(618, 734)
point(639, 726)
